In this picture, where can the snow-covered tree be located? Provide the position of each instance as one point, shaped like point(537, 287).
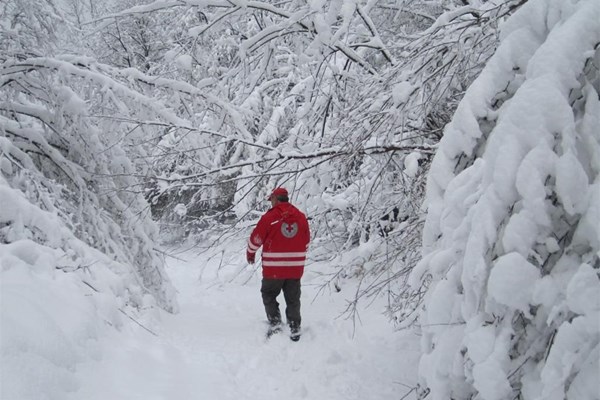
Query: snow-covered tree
point(512, 236)
point(65, 174)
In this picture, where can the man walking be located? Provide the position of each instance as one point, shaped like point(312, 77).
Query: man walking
point(284, 235)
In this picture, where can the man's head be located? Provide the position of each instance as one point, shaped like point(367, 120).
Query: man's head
point(279, 195)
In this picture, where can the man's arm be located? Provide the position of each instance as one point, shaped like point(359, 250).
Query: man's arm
point(256, 239)
point(306, 230)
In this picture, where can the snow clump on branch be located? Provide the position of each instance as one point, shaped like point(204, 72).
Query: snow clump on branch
point(512, 237)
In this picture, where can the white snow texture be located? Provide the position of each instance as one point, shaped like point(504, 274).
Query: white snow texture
point(512, 235)
point(511, 242)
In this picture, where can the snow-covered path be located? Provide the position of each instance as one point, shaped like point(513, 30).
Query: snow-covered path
point(215, 348)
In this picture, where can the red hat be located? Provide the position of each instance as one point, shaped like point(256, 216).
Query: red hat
point(278, 192)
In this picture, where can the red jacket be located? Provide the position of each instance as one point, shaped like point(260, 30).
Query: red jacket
point(283, 234)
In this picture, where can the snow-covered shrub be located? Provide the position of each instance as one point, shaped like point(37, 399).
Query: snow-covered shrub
point(77, 244)
point(58, 294)
point(512, 236)
point(60, 157)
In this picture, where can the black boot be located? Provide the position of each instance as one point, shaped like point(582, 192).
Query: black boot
point(274, 325)
point(273, 329)
point(294, 332)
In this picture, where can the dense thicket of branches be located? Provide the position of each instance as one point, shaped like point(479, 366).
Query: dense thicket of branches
point(66, 172)
point(342, 102)
point(204, 108)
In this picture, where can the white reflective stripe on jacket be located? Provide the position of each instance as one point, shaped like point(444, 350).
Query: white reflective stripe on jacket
point(285, 255)
point(278, 263)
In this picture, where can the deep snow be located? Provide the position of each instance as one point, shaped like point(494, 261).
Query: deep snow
point(215, 347)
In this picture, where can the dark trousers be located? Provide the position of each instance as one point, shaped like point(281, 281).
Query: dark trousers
point(270, 289)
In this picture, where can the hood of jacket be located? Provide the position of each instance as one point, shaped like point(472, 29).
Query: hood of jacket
point(287, 212)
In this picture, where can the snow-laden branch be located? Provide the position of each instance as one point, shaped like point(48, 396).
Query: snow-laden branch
point(200, 30)
point(10, 68)
point(102, 75)
point(145, 9)
point(512, 236)
point(188, 128)
point(290, 21)
point(376, 39)
point(34, 140)
point(296, 155)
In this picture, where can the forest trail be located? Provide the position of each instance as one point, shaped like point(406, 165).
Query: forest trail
point(215, 348)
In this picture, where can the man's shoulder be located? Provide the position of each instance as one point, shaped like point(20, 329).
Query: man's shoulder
point(270, 214)
point(298, 210)
point(291, 209)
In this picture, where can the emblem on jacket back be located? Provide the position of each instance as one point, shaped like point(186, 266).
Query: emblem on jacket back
point(289, 230)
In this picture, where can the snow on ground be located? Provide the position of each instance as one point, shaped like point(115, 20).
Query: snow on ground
point(215, 348)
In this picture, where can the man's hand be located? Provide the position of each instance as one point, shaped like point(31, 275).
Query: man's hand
point(250, 257)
